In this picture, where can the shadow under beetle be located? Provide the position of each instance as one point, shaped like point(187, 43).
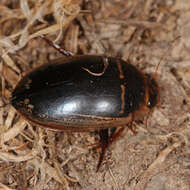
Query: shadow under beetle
point(85, 93)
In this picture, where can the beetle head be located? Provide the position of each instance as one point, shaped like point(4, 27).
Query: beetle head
point(153, 92)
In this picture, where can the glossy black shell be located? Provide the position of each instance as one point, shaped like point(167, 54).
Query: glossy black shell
point(83, 93)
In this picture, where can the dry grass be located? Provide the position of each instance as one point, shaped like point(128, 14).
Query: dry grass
point(158, 157)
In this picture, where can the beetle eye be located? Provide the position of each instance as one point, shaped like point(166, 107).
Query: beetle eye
point(149, 104)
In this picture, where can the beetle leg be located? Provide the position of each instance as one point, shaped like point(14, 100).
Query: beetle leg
point(131, 124)
point(104, 140)
point(57, 47)
point(115, 135)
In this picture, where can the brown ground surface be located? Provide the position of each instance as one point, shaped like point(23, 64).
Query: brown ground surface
point(158, 157)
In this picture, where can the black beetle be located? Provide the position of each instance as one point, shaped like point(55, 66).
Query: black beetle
point(85, 93)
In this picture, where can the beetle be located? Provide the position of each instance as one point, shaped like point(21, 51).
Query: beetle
point(81, 93)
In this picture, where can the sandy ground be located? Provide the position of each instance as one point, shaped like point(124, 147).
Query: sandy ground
point(144, 32)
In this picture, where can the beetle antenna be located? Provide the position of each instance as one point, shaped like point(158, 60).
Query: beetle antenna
point(57, 47)
point(156, 70)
